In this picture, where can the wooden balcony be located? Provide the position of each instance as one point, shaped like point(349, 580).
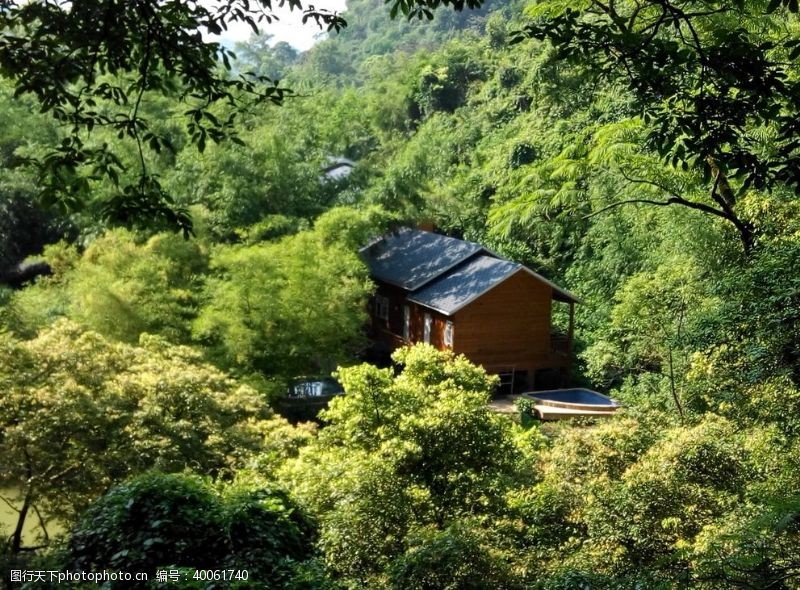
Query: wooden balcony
point(390, 338)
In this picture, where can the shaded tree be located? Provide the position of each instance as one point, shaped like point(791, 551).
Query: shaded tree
point(289, 307)
point(93, 64)
point(716, 85)
point(183, 522)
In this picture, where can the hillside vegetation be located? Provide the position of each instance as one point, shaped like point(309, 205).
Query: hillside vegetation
point(644, 155)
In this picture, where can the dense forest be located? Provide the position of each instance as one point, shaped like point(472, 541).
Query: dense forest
point(173, 256)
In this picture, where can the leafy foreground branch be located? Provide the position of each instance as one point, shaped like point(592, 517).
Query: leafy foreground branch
point(94, 64)
point(716, 83)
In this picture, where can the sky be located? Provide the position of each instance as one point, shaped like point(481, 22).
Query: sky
point(288, 28)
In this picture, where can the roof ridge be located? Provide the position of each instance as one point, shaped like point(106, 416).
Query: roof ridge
point(410, 258)
point(512, 269)
point(414, 259)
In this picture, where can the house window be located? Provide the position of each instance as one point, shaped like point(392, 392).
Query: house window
point(382, 307)
point(448, 334)
point(406, 322)
point(426, 334)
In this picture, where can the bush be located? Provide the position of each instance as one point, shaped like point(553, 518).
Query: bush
point(182, 522)
point(449, 560)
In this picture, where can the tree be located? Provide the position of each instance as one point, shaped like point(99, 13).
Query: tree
point(750, 370)
point(290, 307)
point(24, 228)
point(651, 326)
point(93, 64)
point(411, 472)
point(183, 522)
point(265, 59)
point(716, 84)
point(752, 548)
point(454, 558)
point(640, 502)
point(122, 287)
point(680, 484)
point(277, 172)
point(80, 413)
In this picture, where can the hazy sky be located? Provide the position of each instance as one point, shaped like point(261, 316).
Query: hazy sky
point(289, 28)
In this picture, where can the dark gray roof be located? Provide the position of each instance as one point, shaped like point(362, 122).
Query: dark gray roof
point(464, 284)
point(411, 258)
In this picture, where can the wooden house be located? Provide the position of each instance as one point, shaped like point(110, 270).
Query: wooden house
point(459, 295)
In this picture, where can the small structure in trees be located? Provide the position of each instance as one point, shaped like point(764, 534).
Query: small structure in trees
point(458, 295)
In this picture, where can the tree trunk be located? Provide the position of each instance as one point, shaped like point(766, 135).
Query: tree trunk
point(672, 386)
point(724, 196)
point(16, 538)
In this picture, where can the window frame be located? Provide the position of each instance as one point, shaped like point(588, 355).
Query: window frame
point(382, 307)
point(449, 329)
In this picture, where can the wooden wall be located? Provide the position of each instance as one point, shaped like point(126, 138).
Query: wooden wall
point(438, 321)
point(390, 332)
point(508, 327)
point(396, 298)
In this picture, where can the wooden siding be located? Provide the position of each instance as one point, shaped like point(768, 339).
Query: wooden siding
point(438, 321)
point(509, 327)
point(390, 332)
point(396, 297)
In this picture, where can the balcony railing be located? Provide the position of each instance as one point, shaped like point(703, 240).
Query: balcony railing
point(389, 336)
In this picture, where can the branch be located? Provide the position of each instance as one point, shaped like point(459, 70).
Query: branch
point(10, 505)
point(634, 15)
point(632, 179)
point(679, 15)
point(32, 548)
point(670, 201)
point(612, 13)
point(627, 202)
point(676, 199)
point(144, 72)
point(42, 523)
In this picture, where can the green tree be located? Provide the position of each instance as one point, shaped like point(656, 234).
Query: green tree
point(752, 548)
point(716, 85)
point(80, 413)
point(277, 172)
point(122, 285)
point(259, 55)
point(122, 288)
point(94, 65)
point(286, 308)
point(450, 559)
point(642, 502)
point(407, 467)
point(660, 503)
point(652, 326)
point(183, 522)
